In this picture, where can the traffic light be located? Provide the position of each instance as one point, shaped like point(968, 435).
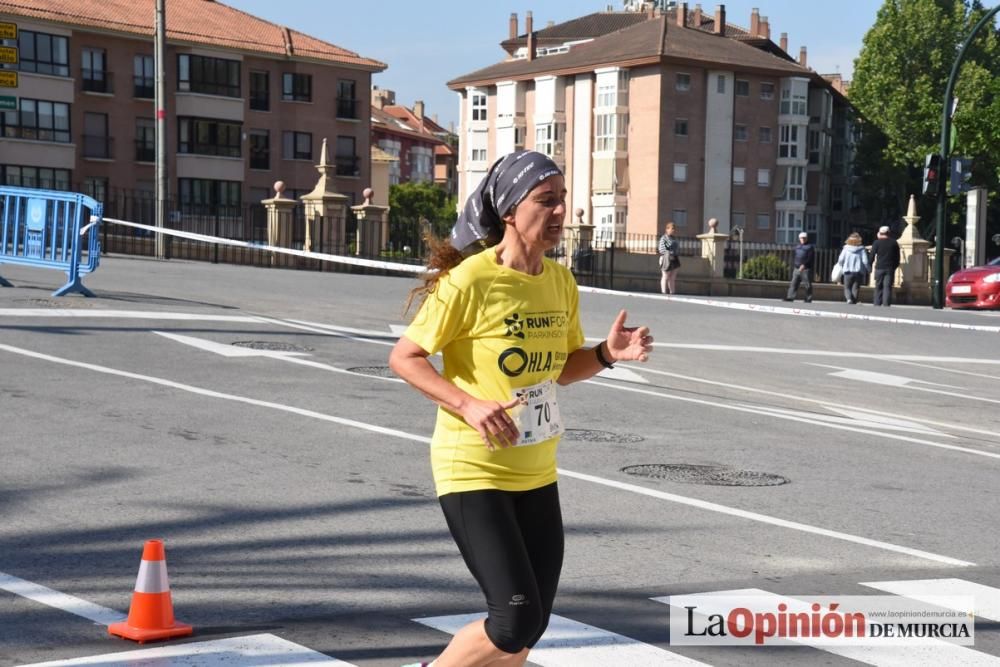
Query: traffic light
point(961, 174)
point(932, 174)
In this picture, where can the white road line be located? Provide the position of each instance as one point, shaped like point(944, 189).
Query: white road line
point(62, 601)
point(425, 440)
point(817, 401)
point(987, 598)
point(568, 643)
point(942, 653)
point(259, 650)
point(899, 381)
point(947, 370)
point(83, 313)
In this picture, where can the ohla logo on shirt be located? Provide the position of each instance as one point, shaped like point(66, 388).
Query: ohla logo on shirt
point(513, 361)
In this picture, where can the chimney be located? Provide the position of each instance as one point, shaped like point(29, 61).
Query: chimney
point(512, 30)
point(418, 109)
point(754, 23)
point(784, 42)
point(529, 26)
point(720, 20)
point(765, 28)
point(682, 14)
point(696, 16)
point(382, 96)
point(802, 56)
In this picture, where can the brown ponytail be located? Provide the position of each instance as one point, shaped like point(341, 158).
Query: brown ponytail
point(443, 258)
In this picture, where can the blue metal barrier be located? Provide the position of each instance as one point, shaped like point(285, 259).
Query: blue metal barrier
point(52, 230)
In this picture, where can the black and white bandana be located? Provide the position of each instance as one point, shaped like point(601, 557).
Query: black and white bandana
point(507, 183)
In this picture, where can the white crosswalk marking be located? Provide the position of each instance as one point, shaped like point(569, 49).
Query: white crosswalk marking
point(567, 643)
point(901, 656)
point(259, 650)
point(987, 598)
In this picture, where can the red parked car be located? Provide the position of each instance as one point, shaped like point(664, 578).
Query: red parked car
point(975, 287)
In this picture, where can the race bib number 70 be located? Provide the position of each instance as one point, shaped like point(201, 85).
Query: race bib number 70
point(537, 417)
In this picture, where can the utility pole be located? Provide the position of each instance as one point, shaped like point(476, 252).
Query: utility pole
point(160, 48)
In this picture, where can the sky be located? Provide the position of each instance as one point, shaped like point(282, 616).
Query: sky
point(426, 44)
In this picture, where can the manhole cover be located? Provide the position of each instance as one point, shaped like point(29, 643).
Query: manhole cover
point(271, 346)
point(54, 303)
point(590, 435)
point(710, 475)
point(377, 371)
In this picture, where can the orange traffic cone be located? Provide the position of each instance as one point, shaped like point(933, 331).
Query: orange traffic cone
point(151, 615)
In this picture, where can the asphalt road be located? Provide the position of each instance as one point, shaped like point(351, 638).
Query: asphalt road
point(246, 417)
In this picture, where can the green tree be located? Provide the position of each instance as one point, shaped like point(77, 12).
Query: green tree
point(409, 204)
point(898, 87)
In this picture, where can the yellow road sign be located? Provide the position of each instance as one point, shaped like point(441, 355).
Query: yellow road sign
point(8, 55)
point(8, 78)
point(8, 30)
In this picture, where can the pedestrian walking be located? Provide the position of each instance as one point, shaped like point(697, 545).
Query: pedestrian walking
point(669, 249)
point(505, 319)
point(853, 261)
point(802, 269)
point(885, 255)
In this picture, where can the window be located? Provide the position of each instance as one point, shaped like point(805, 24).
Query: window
point(795, 190)
point(739, 175)
point(766, 91)
point(260, 91)
point(204, 193)
point(96, 142)
point(145, 140)
point(680, 217)
point(260, 149)
point(210, 76)
point(764, 177)
point(764, 135)
point(347, 99)
point(348, 163)
point(740, 132)
point(742, 88)
point(793, 101)
point(739, 219)
point(43, 53)
point(683, 82)
point(837, 198)
point(296, 87)
point(681, 127)
point(35, 177)
point(296, 145)
point(680, 172)
point(37, 119)
point(763, 221)
point(789, 226)
point(548, 139)
point(143, 78)
point(421, 164)
point(96, 187)
point(720, 84)
point(94, 77)
point(393, 148)
point(607, 94)
point(813, 146)
point(478, 155)
point(789, 144)
point(205, 136)
point(611, 132)
point(478, 107)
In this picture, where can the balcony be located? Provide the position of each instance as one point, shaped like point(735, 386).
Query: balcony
point(143, 87)
point(96, 81)
point(145, 151)
point(97, 146)
point(348, 165)
point(347, 109)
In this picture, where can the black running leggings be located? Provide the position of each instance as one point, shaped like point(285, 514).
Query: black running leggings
point(512, 542)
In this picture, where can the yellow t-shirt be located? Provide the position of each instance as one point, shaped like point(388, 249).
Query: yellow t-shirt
point(498, 330)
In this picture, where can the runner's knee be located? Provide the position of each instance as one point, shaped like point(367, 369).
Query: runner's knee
point(521, 626)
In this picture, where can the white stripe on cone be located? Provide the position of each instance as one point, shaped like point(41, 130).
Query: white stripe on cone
point(152, 577)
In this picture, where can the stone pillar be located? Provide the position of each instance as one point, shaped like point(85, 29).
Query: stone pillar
point(373, 226)
point(914, 268)
point(325, 211)
point(713, 248)
point(279, 219)
point(579, 245)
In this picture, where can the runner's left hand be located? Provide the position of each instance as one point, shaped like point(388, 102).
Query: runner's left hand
point(628, 343)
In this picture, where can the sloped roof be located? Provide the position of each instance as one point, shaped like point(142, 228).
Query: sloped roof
point(648, 41)
point(192, 21)
point(585, 27)
point(383, 121)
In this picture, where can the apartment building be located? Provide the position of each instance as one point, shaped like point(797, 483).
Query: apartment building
point(248, 102)
point(425, 151)
point(666, 114)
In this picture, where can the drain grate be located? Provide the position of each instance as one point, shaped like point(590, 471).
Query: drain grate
point(272, 346)
point(377, 371)
point(709, 475)
point(590, 435)
point(54, 303)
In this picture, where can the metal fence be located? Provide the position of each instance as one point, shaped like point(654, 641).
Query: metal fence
point(737, 255)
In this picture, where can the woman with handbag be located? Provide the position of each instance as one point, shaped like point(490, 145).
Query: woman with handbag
point(853, 261)
point(669, 249)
